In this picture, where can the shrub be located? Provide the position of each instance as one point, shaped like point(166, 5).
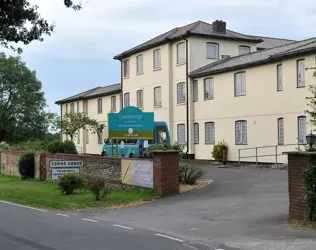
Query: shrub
point(218, 150)
point(175, 146)
point(69, 147)
point(55, 147)
point(188, 174)
point(69, 182)
point(66, 147)
point(4, 145)
point(97, 186)
point(27, 165)
point(309, 178)
point(33, 145)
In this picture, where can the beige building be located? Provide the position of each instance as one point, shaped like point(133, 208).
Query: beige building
point(211, 84)
point(96, 103)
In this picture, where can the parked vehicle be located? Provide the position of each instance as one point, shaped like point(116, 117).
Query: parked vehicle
point(135, 148)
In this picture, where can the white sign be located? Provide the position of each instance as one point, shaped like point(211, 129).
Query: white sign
point(122, 144)
point(65, 164)
point(142, 174)
point(145, 144)
point(57, 172)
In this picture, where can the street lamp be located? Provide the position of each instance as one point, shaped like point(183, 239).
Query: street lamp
point(311, 139)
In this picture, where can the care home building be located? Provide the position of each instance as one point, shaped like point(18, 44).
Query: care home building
point(211, 84)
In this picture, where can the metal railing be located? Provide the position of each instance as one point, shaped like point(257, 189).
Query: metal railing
point(257, 155)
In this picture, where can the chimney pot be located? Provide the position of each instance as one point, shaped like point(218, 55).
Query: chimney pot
point(219, 26)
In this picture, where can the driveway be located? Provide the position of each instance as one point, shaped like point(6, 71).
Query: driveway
point(242, 208)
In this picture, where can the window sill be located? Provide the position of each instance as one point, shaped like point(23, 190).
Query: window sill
point(280, 144)
point(181, 104)
point(158, 106)
point(241, 144)
point(126, 77)
point(212, 58)
point(157, 69)
point(239, 95)
point(208, 99)
point(180, 64)
point(209, 143)
point(141, 73)
point(299, 87)
point(140, 108)
point(279, 90)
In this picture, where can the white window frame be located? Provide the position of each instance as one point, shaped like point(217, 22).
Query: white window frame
point(181, 93)
point(240, 84)
point(241, 132)
point(126, 68)
point(196, 133)
point(300, 67)
point(157, 96)
point(181, 53)
point(208, 88)
point(87, 136)
point(302, 129)
point(140, 99)
point(279, 77)
point(195, 91)
point(281, 131)
point(113, 103)
point(99, 101)
point(78, 137)
point(181, 133)
point(157, 59)
point(212, 50)
point(210, 133)
point(140, 64)
point(241, 47)
point(127, 100)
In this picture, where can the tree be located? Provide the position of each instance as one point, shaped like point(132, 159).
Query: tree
point(71, 123)
point(17, 15)
point(312, 101)
point(22, 102)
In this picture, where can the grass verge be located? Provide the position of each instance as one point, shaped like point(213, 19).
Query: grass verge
point(309, 225)
point(46, 195)
point(5, 179)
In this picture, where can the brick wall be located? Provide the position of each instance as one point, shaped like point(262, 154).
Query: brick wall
point(107, 168)
point(9, 162)
point(296, 161)
point(166, 172)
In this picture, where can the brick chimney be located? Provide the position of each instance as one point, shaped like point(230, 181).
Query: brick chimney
point(219, 26)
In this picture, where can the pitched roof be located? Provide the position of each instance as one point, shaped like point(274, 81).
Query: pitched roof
point(93, 93)
point(271, 42)
point(256, 58)
point(198, 28)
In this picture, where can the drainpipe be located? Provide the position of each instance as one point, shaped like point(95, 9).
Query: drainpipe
point(122, 97)
point(187, 89)
point(61, 117)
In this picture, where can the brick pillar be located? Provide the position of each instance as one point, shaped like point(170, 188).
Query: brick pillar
point(40, 166)
point(298, 208)
point(166, 172)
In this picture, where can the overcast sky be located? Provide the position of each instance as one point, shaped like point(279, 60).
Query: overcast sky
point(79, 55)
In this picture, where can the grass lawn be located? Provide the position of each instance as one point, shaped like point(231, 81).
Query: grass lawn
point(5, 179)
point(46, 195)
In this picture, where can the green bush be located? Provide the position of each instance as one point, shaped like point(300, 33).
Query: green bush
point(69, 182)
point(4, 145)
point(32, 145)
point(66, 147)
point(218, 150)
point(69, 147)
point(309, 178)
point(175, 146)
point(97, 186)
point(188, 174)
point(27, 165)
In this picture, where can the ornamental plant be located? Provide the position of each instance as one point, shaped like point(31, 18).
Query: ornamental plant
point(218, 150)
point(309, 179)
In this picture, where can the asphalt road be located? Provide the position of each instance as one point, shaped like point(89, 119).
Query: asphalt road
point(27, 229)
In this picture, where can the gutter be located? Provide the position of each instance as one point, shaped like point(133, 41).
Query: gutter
point(187, 90)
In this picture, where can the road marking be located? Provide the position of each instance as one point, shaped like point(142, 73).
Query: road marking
point(190, 247)
point(169, 237)
point(89, 220)
point(64, 215)
point(129, 228)
point(18, 205)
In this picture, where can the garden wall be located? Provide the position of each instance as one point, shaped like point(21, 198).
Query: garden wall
point(9, 162)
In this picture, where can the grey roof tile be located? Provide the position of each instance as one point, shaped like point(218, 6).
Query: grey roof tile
point(92, 93)
point(271, 42)
point(255, 58)
point(198, 28)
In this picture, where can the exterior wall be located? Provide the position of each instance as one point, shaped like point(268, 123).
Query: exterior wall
point(92, 146)
point(9, 162)
point(261, 107)
point(226, 47)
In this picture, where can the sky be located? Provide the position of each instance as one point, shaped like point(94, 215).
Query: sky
point(79, 54)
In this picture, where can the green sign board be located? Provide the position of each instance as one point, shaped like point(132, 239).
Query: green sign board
point(131, 123)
